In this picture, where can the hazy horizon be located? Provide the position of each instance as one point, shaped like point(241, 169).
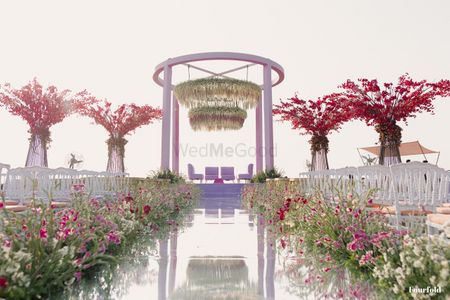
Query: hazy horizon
point(111, 49)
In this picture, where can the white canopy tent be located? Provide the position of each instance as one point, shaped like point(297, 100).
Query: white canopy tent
point(406, 149)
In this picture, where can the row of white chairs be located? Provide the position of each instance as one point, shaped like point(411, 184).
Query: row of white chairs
point(406, 186)
point(414, 183)
point(24, 184)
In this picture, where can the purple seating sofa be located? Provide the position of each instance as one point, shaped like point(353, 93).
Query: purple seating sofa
point(248, 175)
point(192, 175)
point(227, 173)
point(211, 173)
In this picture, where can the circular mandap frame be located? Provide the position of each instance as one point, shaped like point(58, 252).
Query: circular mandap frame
point(170, 122)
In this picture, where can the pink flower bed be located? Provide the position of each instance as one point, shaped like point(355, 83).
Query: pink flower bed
point(45, 249)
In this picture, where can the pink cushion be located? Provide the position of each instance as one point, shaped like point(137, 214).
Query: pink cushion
point(443, 210)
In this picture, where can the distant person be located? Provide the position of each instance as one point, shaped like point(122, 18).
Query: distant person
point(73, 161)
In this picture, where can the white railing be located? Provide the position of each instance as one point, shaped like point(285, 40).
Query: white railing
point(24, 184)
point(407, 186)
point(4, 169)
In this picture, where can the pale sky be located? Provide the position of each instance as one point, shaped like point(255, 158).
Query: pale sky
point(111, 49)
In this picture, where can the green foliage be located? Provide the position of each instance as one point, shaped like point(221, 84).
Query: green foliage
point(168, 174)
point(268, 174)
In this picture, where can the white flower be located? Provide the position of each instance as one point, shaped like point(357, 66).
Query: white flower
point(408, 271)
point(12, 268)
point(417, 251)
point(395, 289)
point(63, 251)
point(443, 284)
point(433, 280)
point(22, 255)
point(418, 264)
point(376, 272)
point(444, 274)
point(71, 251)
point(402, 257)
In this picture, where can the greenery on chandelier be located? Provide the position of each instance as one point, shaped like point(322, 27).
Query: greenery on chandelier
point(211, 118)
point(218, 91)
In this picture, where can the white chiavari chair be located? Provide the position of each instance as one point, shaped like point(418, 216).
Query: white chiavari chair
point(345, 180)
point(377, 180)
point(417, 189)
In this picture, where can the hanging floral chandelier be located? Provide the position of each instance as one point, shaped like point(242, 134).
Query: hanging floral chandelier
point(223, 92)
point(214, 118)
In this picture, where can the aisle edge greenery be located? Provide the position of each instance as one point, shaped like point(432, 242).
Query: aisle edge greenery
point(46, 250)
point(345, 233)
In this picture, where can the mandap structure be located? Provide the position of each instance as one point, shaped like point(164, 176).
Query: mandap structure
point(217, 102)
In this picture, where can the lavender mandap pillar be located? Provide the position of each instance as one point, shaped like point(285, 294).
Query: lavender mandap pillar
point(165, 138)
point(268, 121)
point(175, 135)
point(259, 138)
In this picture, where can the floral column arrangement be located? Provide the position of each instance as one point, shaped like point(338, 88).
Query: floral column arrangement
point(120, 122)
point(41, 109)
point(317, 119)
point(384, 106)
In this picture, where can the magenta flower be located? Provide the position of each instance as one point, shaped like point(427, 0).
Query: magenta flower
point(75, 218)
point(354, 245)
point(366, 258)
point(113, 237)
point(43, 233)
point(281, 214)
point(360, 235)
point(128, 198)
point(77, 276)
point(3, 282)
point(378, 237)
point(7, 243)
point(147, 209)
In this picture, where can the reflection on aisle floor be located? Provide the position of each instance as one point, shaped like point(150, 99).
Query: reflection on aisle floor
point(220, 254)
